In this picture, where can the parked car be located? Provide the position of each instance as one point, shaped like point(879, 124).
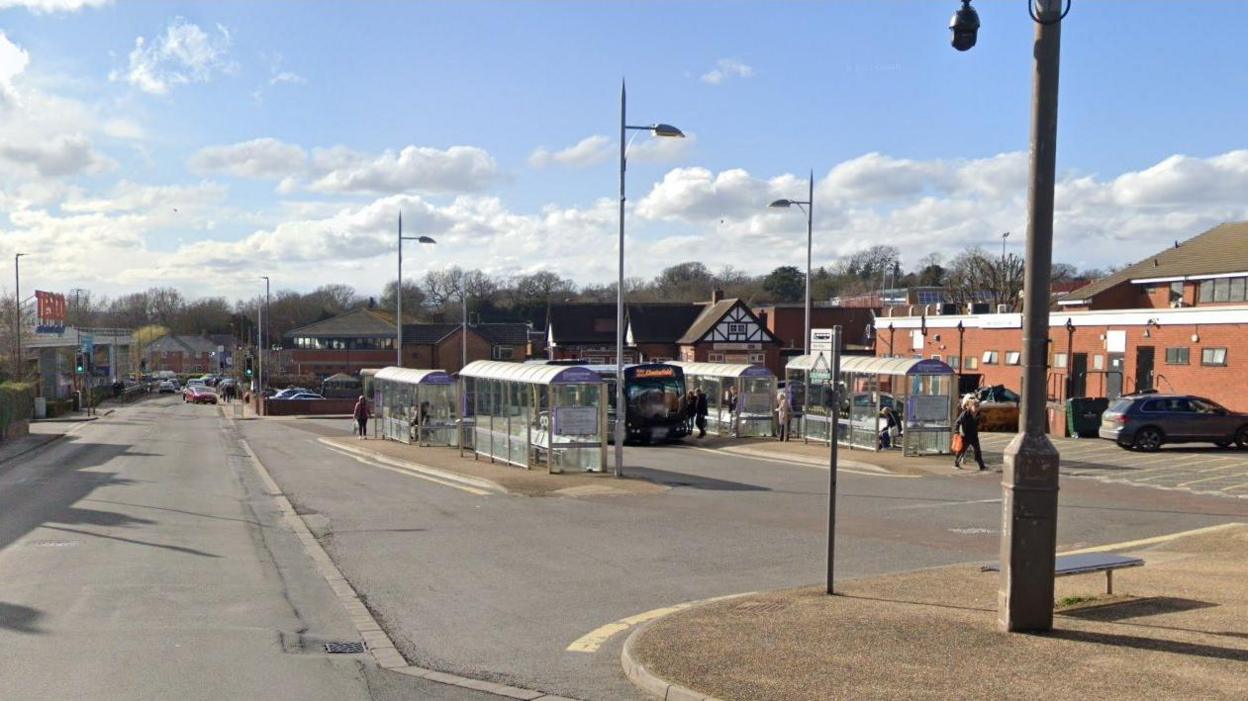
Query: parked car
point(998, 408)
point(1148, 421)
point(200, 395)
point(167, 387)
point(300, 395)
point(289, 392)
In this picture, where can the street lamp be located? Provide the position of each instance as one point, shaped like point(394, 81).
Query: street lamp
point(807, 206)
point(1070, 357)
point(398, 292)
point(262, 336)
point(1004, 236)
point(961, 358)
point(18, 373)
point(1030, 480)
point(665, 130)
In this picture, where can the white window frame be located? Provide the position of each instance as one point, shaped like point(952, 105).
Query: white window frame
point(1060, 361)
point(737, 329)
point(1013, 357)
point(758, 358)
point(991, 357)
point(1206, 353)
point(714, 357)
point(503, 353)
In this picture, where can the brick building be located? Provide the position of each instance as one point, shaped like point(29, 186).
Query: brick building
point(365, 338)
point(787, 322)
point(183, 354)
point(1176, 321)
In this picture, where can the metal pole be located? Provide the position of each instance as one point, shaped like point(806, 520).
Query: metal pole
point(834, 420)
point(259, 346)
point(268, 315)
point(1070, 358)
point(398, 300)
point(463, 331)
point(17, 317)
point(620, 409)
point(810, 225)
point(1030, 480)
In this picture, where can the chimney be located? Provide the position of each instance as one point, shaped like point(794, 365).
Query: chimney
point(717, 295)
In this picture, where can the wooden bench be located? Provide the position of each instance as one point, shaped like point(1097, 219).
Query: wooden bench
point(1066, 565)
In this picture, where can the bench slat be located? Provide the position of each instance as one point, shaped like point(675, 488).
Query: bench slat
point(1082, 564)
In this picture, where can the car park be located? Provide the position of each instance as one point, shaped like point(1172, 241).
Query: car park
point(1148, 421)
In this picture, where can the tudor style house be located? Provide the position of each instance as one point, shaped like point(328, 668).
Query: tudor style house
point(718, 331)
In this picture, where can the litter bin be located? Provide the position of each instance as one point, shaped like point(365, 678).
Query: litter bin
point(1083, 415)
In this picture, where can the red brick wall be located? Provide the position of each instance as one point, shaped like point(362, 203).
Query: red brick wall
point(1226, 385)
point(700, 353)
point(328, 362)
point(788, 324)
point(448, 353)
point(322, 407)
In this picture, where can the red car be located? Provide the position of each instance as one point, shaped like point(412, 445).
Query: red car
point(196, 394)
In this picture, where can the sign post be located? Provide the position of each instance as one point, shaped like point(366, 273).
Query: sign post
point(834, 417)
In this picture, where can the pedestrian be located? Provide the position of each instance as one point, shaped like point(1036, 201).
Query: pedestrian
point(690, 410)
point(361, 417)
point(967, 426)
point(700, 412)
point(782, 415)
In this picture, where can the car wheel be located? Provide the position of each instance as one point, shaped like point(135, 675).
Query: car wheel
point(1126, 446)
point(1222, 444)
point(1241, 438)
point(1149, 439)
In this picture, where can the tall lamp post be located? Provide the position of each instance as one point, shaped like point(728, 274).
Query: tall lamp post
point(657, 129)
point(1030, 480)
point(262, 337)
point(807, 206)
point(398, 292)
point(961, 358)
point(1004, 236)
point(18, 371)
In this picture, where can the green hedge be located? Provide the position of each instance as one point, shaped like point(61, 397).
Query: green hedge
point(17, 402)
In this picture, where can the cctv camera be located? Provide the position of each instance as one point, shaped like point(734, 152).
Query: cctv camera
point(965, 26)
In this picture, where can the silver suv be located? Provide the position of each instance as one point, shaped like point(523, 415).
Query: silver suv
point(1147, 421)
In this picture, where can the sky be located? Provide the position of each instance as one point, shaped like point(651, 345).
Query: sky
point(201, 145)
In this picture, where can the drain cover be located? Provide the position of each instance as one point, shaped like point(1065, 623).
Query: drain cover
point(344, 648)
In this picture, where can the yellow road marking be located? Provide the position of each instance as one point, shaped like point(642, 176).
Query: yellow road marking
point(593, 640)
point(1154, 540)
point(411, 473)
point(799, 463)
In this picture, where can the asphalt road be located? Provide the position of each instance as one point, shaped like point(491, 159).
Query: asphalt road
point(141, 558)
point(498, 587)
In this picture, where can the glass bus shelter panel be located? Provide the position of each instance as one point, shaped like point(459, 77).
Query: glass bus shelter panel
point(579, 428)
point(864, 413)
point(437, 414)
point(928, 414)
point(519, 406)
point(756, 403)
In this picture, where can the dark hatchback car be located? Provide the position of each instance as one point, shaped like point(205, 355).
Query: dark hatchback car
point(1147, 421)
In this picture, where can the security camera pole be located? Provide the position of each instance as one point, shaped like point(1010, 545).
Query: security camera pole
point(1030, 480)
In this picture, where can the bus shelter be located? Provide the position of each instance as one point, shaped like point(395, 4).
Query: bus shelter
point(806, 382)
point(416, 406)
point(919, 395)
point(527, 414)
point(739, 398)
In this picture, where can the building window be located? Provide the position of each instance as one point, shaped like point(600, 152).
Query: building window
point(990, 357)
point(955, 362)
point(1224, 289)
point(758, 357)
point(1237, 289)
point(1013, 357)
point(714, 357)
point(1176, 291)
point(736, 329)
point(504, 352)
point(1098, 362)
point(1177, 356)
point(1059, 360)
point(972, 363)
point(1213, 356)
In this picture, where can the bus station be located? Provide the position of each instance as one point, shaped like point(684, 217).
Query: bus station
point(739, 397)
point(416, 406)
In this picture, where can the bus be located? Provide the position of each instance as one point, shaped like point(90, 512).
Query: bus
point(654, 394)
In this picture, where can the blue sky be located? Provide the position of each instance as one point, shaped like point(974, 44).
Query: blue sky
point(288, 135)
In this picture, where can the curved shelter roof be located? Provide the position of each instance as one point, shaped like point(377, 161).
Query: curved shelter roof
point(874, 365)
point(530, 373)
point(413, 376)
point(723, 369)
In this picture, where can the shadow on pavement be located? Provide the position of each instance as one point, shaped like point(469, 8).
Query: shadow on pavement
point(1138, 608)
point(681, 479)
point(1172, 646)
point(19, 618)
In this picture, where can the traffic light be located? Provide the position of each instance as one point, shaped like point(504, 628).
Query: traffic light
point(248, 371)
point(79, 364)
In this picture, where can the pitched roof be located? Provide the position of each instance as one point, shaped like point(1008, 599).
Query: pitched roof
point(360, 323)
point(181, 344)
point(711, 314)
point(1222, 249)
point(428, 333)
point(661, 322)
point(502, 333)
point(582, 323)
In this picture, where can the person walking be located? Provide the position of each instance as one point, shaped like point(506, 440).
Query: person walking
point(783, 415)
point(361, 417)
point(700, 411)
point(967, 426)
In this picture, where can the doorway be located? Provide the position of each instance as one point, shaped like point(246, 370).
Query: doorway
point(1078, 375)
point(1143, 368)
point(1113, 376)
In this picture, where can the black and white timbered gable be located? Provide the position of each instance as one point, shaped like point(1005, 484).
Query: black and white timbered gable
point(729, 322)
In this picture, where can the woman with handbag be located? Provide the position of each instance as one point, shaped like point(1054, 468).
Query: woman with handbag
point(966, 434)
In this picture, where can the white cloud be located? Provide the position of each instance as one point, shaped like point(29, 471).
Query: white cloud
point(183, 54)
point(589, 151)
point(265, 158)
point(724, 69)
point(13, 62)
point(412, 169)
point(64, 155)
point(49, 6)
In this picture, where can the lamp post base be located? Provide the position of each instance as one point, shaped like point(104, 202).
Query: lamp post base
point(1029, 487)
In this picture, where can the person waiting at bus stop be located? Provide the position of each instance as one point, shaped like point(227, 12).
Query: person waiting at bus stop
point(700, 412)
point(783, 415)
